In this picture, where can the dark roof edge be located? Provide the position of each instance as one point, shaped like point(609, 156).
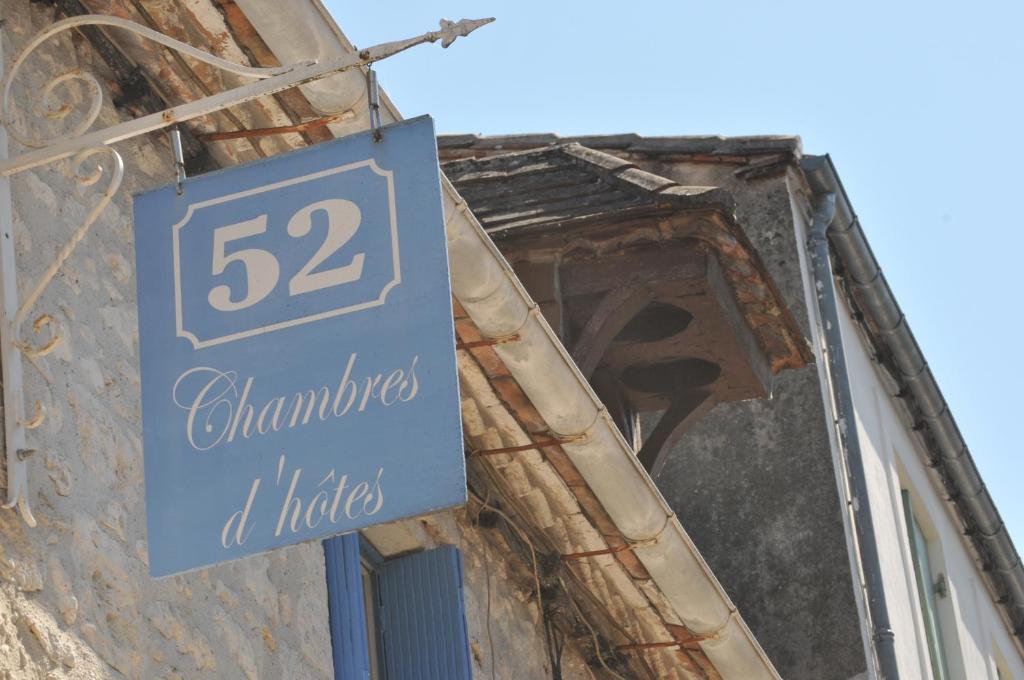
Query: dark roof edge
point(947, 453)
point(632, 143)
point(622, 172)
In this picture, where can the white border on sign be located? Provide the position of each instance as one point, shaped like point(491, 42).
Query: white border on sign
point(372, 165)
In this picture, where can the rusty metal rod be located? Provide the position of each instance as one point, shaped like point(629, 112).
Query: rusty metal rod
point(641, 646)
point(689, 643)
point(490, 342)
point(268, 131)
point(595, 553)
point(514, 449)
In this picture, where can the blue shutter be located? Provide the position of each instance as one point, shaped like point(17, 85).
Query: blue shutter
point(346, 609)
point(422, 612)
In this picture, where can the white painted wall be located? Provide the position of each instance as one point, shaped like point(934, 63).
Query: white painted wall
point(974, 634)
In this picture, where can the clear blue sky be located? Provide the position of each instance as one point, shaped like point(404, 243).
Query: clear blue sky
point(921, 106)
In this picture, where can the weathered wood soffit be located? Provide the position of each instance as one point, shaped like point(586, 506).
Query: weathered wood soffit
point(652, 286)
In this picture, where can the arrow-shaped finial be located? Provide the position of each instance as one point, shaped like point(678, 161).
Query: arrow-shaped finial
point(450, 30)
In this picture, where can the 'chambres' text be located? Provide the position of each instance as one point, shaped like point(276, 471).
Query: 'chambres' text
point(220, 408)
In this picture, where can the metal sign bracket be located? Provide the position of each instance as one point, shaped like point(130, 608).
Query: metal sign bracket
point(84, 147)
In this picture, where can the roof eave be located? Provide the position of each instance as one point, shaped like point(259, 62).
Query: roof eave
point(705, 145)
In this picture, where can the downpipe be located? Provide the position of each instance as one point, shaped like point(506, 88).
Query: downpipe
point(882, 637)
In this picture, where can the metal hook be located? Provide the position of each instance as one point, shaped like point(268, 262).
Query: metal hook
point(179, 158)
point(373, 97)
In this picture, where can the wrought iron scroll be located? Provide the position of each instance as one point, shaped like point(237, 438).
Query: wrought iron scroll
point(85, 147)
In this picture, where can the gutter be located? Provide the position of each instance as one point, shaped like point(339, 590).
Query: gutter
point(499, 306)
point(943, 447)
point(866, 547)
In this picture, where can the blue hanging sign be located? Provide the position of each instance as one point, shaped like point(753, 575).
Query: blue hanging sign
point(297, 349)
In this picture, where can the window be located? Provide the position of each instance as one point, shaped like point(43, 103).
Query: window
point(397, 619)
point(926, 581)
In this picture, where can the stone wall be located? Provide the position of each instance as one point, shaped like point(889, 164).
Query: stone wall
point(76, 600)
